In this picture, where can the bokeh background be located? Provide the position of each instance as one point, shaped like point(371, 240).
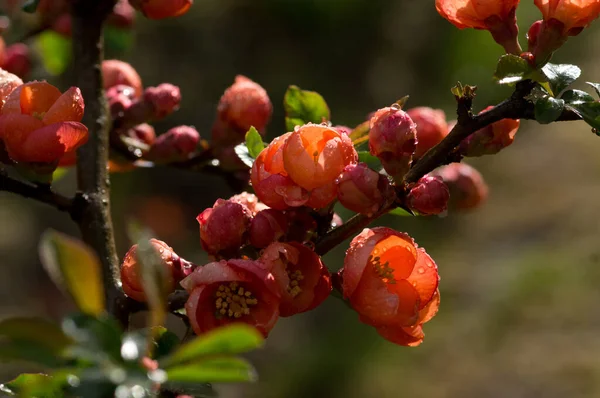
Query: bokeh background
point(520, 276)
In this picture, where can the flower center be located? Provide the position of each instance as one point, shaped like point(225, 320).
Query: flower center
point(294, 288)
point(234, 301)
point(384, 271)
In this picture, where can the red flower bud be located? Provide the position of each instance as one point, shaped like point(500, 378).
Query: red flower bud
point(160, 9)
point(304, 280)
point(361, 189)
point(467, 188)
point(232, 291)
point(144, 133)
point(497, 16)
point(38, 124)
point(391, 283)
point(165, 99)
point(336, 220)
point(429, 196)
point(120, 98)
point(17, 60)
point(393, 139)
point(117, 72)
point(243, 105)
point(63, 25)
point(8, 82)
point(533, 35)
point(431, 128)
point(130, 272)
point(122, 16)
point(250, 201)
point(224, 226)
point(175, 145)
point(490, 139)
point(267, 226)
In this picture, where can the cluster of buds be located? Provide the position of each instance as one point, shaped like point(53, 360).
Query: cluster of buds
point(40, 127)
point(243, 105)
point(133, 106)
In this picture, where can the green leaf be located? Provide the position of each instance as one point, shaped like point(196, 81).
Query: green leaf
point(165, 342)
point(97, 339)
point(242, 152)
point(55, 51)
point(21, 351)
point(30, 6)
point(254, 142)
point(511, 69)
point(230, 339)
point(399, 211)
point(590, 112)
point(59, 173)
point(302, 106)
point(213, 370)
point(34, 386)
point(576, 97)
point(596, 87)
point(548, 109)
point(117, 40)
point(360, 134)
point(75, 268)
point(35, 330)
point(372, 161)
point(560, 76)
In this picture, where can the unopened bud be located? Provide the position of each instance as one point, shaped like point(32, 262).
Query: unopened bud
point(250, 201)
point(17, 60)
point(117, 72)
point(63, 25)
point(533, 34)
point(143, 133)
point(160, 9)
point(431, 128)
point(467, 188)
point(165, 99)
point(393, 139)
point(122, 16)
point(175, 145)
point(120, 98)
point(490, 139)
point(429, 196)
point(224, 226)
point(8, 82)
point(361, 189)
point(267, 226)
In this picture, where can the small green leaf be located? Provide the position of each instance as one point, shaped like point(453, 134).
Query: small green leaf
point(402, 101)
point(511, 69)
point(576, 97)
point(590, 112)
point(254, 142)
point(30, 6)
point(372, 161)
point(548, 109)
point(117, 40)
point(75, 268)
point(97, 339)
point(55, 51)
point(60, 173)
point(230, 339)
point(596, 87)
point(213, 370)
point(360, 134)
point(35, 386)
point(242, 152)
point(165, 342)
point(399, 211)
point(560, 76)
point(302, 106)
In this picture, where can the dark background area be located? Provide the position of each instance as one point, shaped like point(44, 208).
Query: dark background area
point(520, 275)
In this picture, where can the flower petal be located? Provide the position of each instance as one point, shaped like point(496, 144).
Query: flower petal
point(38, 97)
point(424, 277)
point(51, 143)
point(406, 336)
point(68, 108)
point(14, 130)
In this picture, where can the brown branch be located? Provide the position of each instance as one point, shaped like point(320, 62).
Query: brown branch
point(95, 223)
point(41, 193)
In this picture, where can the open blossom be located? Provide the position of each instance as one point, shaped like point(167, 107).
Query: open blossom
point(467, 188)
point(300, 168)
point(38, 124)
point(497, 16)
point(232, 291)
point(160, 9)
point(305, 282)
point(490, 139)
point(431, 128)
point(130, 270)
point(224, 226)
point(391, 283)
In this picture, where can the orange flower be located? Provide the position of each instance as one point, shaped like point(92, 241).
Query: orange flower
point(159, 9)
point(232, 291)
point(305, 282)
point(39, 125)
point(497, 16)
point(391, 283)
point(573, 14)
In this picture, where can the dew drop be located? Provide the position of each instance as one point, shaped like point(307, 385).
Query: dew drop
point(421, 270)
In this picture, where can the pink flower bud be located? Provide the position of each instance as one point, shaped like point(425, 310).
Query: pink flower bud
point(144, 133)
point(8, 82)
point(164, 98)
point(63, 25)
point(175, 145)
point(122, 16)
point(490, 139)
point(342, 129)
point(393, 139)
point(467, 188)
point(117, 72)
point(224, 226)
point(429, 196)
point(431, 128)
point(245, 104)
point(120, 98)
point(267, 226)
point(250, 201)
point(336, 220)
point(17, 60)
point(361, 189)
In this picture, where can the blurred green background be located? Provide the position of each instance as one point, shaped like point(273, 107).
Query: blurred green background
point(519, 277)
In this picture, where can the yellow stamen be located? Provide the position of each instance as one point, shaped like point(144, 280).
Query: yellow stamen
point(233, 301)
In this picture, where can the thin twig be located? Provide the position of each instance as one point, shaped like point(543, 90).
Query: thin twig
point(41, 193)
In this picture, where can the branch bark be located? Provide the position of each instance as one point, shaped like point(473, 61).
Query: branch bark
point(88, 17)
point(41, 193)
